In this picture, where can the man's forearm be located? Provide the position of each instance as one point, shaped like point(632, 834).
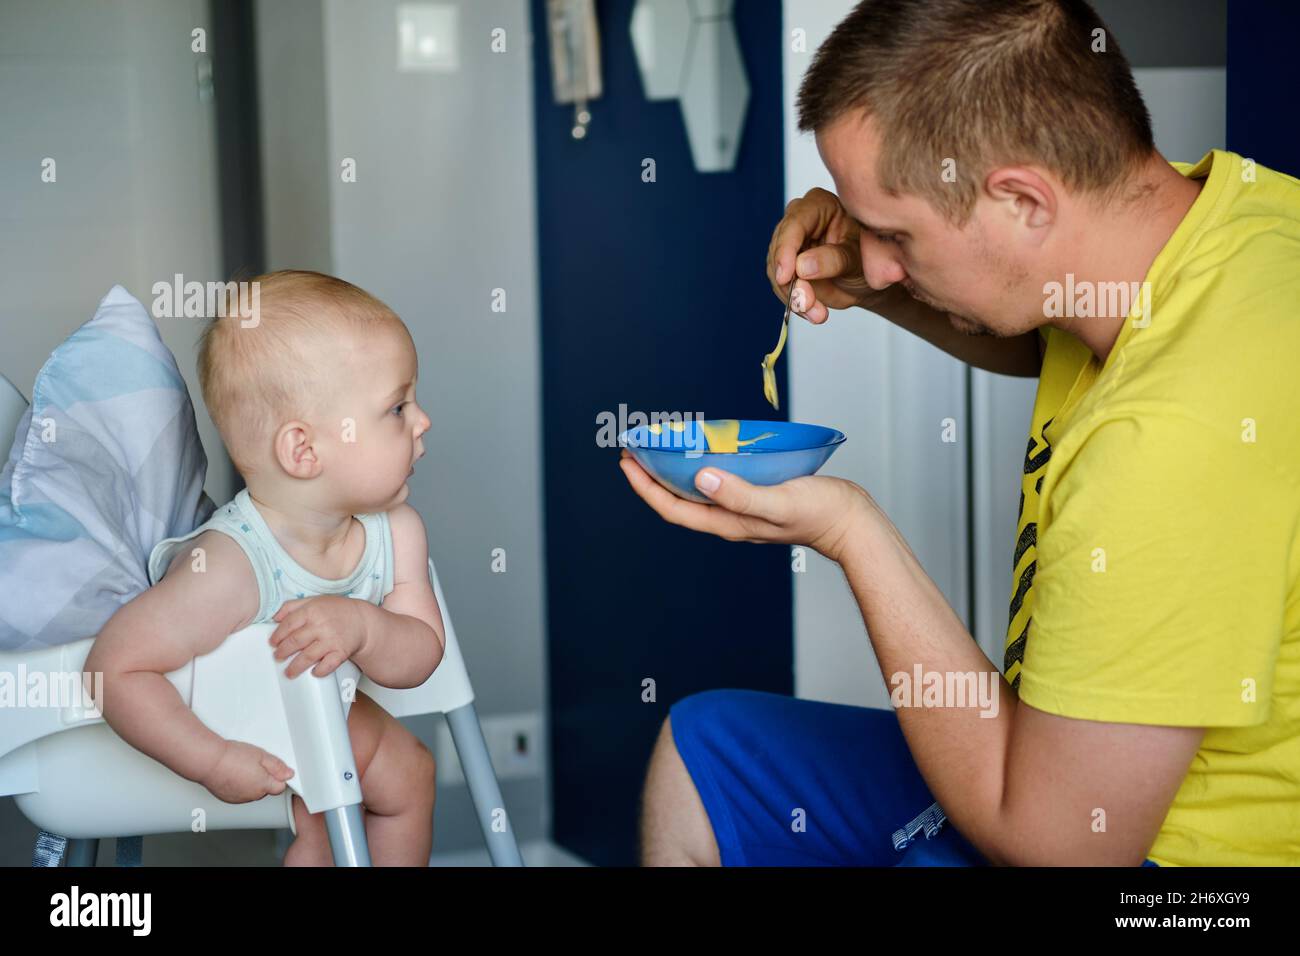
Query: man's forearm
point(1006, 355)
point(961, 754)
point(400, 650)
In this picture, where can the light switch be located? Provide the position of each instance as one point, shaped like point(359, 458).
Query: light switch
point(427, 38)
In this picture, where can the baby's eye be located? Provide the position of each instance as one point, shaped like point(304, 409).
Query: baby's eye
point(886, 237)
point(398, 408)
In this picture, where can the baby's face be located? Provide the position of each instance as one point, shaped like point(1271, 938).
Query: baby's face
point(372, 440)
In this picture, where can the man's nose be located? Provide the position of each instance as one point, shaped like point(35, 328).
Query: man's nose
point(880, 267)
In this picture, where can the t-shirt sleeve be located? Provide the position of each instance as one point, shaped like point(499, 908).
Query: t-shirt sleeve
point(1161, 584)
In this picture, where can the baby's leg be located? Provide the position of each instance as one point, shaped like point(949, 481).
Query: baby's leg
point(397, 786)
point(397, 790)
point(311, 847)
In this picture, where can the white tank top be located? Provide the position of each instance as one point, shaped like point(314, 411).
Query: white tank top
point(279, 577)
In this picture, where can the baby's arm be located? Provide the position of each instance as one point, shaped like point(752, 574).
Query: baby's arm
point(406, 642)
point(186, 614)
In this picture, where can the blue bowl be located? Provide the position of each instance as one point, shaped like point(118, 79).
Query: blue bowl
point(673, 457)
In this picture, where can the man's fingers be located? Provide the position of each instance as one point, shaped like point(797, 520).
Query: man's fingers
point(734, 493)
point(674, 510)
point(825, 262)
point(787, 240)
point(741, 517)
point(809, 218)
point(803, 220)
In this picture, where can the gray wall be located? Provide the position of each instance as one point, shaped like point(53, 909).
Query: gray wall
point(441, 214)
point(110, 93)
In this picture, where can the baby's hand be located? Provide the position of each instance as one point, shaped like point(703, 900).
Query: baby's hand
point(327, 628)
point(244, 773)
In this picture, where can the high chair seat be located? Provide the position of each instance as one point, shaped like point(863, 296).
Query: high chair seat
point(48, 753)
point(72, 775)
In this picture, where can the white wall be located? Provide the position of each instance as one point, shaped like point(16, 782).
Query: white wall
point(442, 213)
point(888, 391)
point(109, 92)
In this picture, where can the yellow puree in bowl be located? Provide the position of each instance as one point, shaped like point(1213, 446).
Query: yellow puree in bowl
point(723, 436)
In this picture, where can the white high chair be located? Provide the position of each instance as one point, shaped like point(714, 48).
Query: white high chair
point(76, 779)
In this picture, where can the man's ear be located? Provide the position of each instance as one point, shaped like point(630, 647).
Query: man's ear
point(295, 450)
point(1025, 193)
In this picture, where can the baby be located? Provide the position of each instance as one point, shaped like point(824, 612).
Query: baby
point(314, 396)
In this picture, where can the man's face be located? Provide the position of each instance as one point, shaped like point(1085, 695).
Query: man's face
point(979, 274)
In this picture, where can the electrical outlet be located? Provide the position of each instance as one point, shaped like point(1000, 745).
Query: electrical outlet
point(514, 743)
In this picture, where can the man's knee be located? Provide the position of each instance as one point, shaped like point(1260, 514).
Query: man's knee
point(675, 827)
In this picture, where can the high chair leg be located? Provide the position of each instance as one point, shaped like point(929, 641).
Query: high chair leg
point(81, 853)
point(347, 833)
point(484, 789)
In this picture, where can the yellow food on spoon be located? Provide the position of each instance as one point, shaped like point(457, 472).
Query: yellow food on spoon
point(769, 367)
point(723, 436)
point(769, 371)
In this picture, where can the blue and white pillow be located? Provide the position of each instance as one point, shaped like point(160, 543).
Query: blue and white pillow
point(105, 464)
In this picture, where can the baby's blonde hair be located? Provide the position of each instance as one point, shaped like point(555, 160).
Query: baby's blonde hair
point(256, 376)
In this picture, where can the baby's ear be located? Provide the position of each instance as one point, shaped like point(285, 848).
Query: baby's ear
point(294, 451)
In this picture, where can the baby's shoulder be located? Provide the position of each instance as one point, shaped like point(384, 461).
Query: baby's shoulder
point(214, 565)
point(211, 547)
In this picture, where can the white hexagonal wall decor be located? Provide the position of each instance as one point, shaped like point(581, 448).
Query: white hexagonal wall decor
point(715, 94)
point(710, 9)
point(688, 49)
point(661, 30)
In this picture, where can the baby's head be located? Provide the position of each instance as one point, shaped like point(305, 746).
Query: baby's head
point(314, 395)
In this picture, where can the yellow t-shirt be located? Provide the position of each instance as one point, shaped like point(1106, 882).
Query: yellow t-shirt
point(1158, 550)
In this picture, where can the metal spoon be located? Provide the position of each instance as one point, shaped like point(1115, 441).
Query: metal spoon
point(769, 360)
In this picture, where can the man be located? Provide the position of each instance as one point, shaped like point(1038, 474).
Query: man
point(999, 194)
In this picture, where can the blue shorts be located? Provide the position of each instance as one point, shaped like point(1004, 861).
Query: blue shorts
point(790, 782)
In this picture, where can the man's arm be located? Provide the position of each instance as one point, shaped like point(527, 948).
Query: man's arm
point(1020, 355)
point(1025, 787)
point(405, 637)
point(818, 233)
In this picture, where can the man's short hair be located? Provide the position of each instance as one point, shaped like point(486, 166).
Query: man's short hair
point(982, 83)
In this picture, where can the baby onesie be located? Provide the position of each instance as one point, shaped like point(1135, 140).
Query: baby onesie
point(279, 577)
